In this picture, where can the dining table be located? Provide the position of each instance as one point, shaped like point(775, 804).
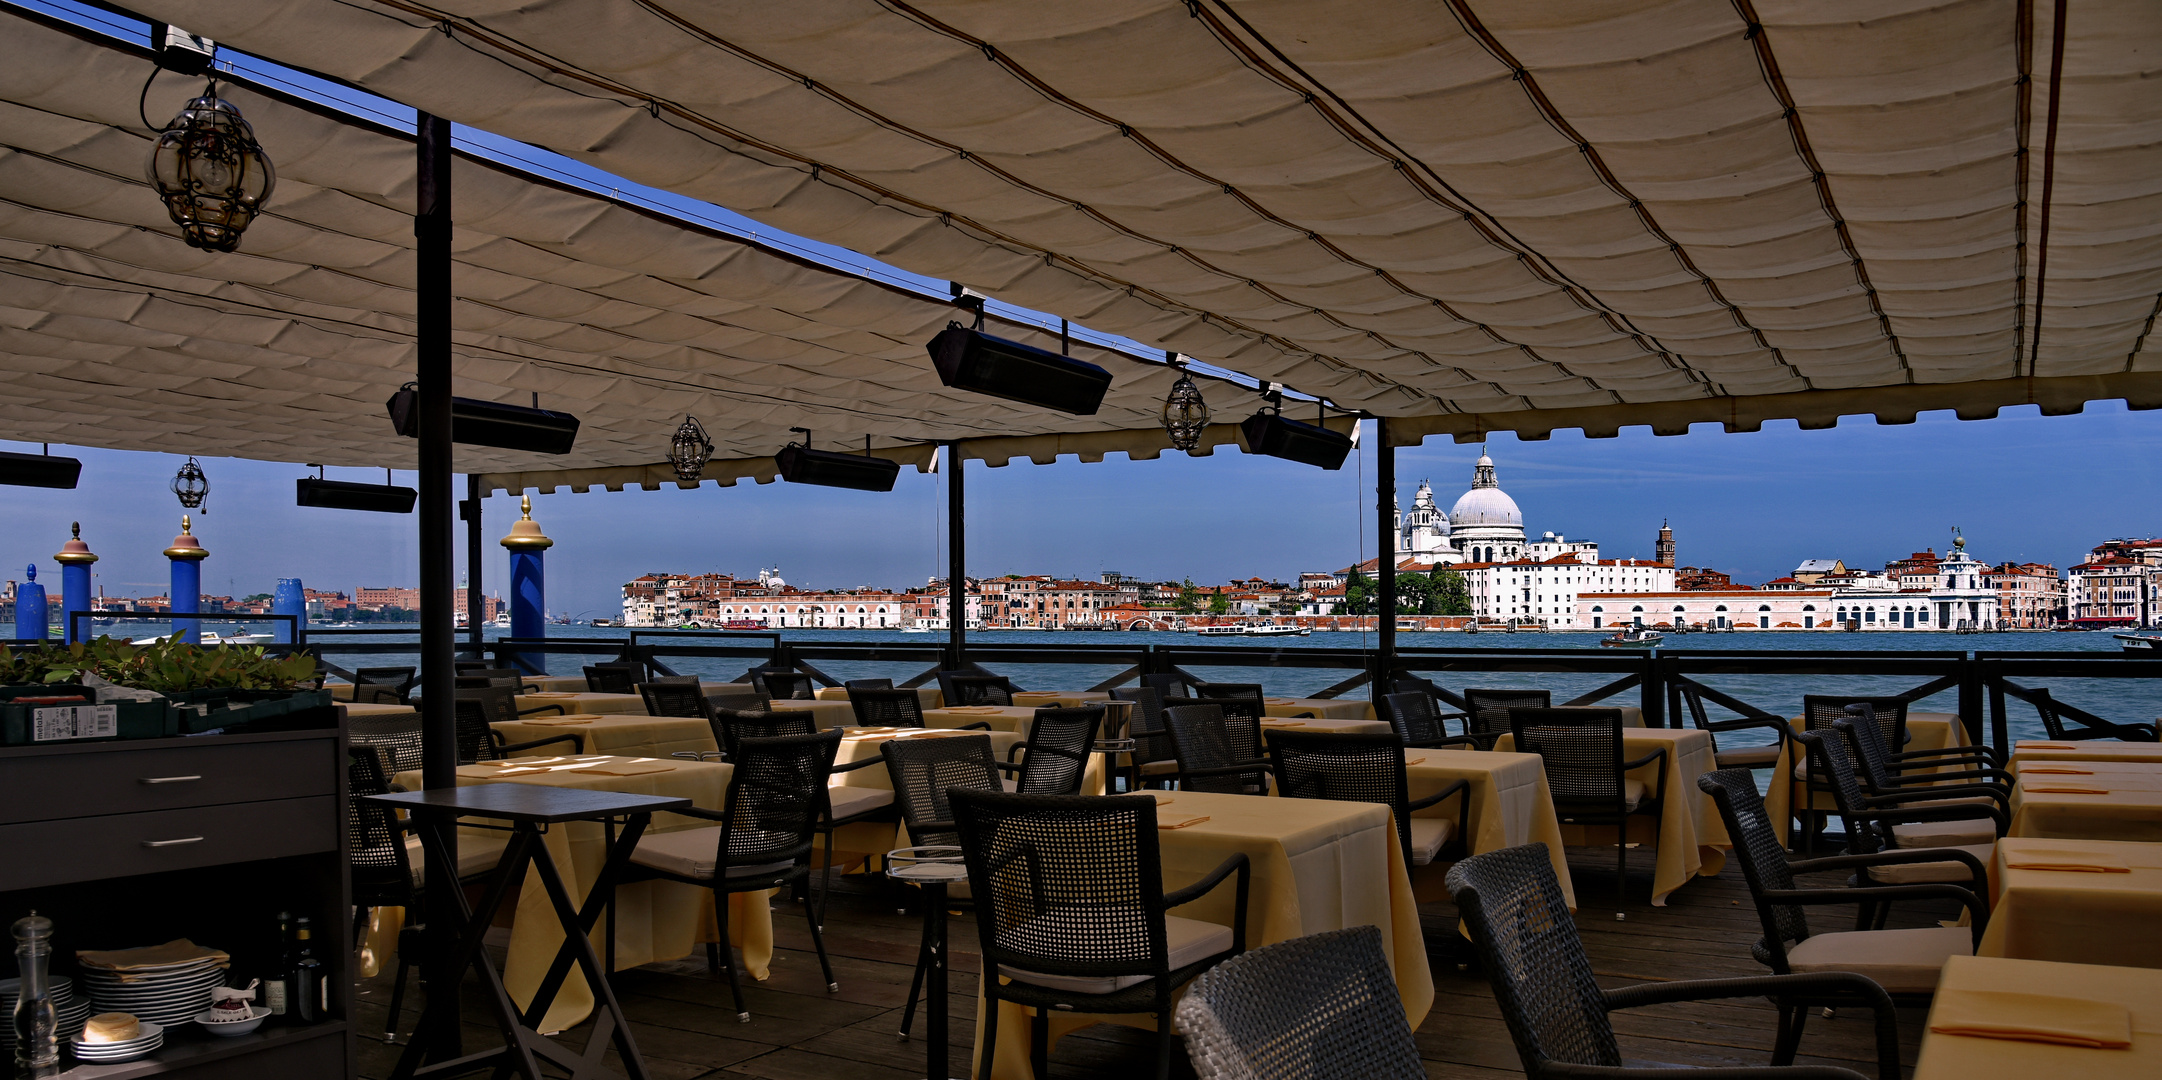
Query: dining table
point(927, 696)
point(1331, 726)
point(576, 684)
point(1316, 866)
point(1014, 718)
point(1692, 839)
point(1319, 708)
point(1991, 1015)
point(2088, 800)
point(2085, 750)
point(825, 712)
point(625, 734)
point(1509, 806)
point(2076, 901)
point(377, 710)
point(1059, 699)
point(581, 701)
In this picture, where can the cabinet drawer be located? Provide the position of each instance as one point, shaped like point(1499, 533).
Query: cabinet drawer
point(163, 776)
point(122, 845)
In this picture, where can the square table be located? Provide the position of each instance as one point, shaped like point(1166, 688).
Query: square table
point(1960, 1057)
point(1273, 722)
point(824, 713)
point(2073, 916)
point(1058, 699)
point(2086, 750)
point(926, 696)
point(1320, 708)
point(2128, 805)
point(377, 710)
point(1692, 839)
point(581, 701)
point(655, 920)
point(1510, 805)
point(622, 734)
point(1001, 717)
point(1316, 866)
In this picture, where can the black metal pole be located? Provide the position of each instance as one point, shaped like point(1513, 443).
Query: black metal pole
point(438, 632)
point(1385, 556)
point(475, 554)
point(957, 563)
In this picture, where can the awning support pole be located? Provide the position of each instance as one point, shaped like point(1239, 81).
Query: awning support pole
point(438, 632)
point(1385, 556)
point(475, 557)
point(957, 566)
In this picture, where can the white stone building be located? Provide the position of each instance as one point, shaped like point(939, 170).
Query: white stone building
point(1547, 593)
point(1713, 609)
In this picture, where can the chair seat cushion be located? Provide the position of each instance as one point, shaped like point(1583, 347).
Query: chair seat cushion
point(1159, 768)
point(1634, 792)
point(1749, 757)
point(476, 855)
point(847, 802)
point(1965, 832)
point(1428, 836)
point(689, 853)
point(1190, 941)
point(1955, 873)
point(1901, 961)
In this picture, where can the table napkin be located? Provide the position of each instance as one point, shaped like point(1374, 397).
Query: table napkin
point(854, 731)
point(2054, 770)
point(2062, 789)
point(176, 951)
point(1414, 761)
point(2043, 746)
point(1180, 823)
point(2029, 858)
point(561, 721)
point(2043, 1018)
point(516, 763)
point(1162, 798)
point(626, 768)
point(1281, 723)
point(978, 709)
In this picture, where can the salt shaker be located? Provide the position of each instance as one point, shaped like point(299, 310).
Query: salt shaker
point(37, 1029)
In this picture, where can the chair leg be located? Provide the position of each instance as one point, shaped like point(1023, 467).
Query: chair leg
point(825, 881)
point(990, 1029)
point(818, 941)
point(915, 985)
point(1791, 1020)
point(713, 959)
point(728, 956)
point(397, 998)
point(1039, 1042)
point(1163, 1046)
point(1621, 873)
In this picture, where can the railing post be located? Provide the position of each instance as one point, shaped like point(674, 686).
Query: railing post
point(1998, 729)
point(1970, 697)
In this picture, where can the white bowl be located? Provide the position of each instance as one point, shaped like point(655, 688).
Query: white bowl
point(215, 1026)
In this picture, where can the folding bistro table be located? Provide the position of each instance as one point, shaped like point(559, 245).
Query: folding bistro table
point(530, 808)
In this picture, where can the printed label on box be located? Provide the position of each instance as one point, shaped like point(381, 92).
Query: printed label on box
point(62, 722)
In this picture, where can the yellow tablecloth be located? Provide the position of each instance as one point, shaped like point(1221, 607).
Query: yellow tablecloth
point(1321, 708)
point(620, 733)
point(1058, 699)
point(1925, 730)
point(1509, 806)
point(1334, 727)
point(2090, 750)
point(927, 695)
point(1316, 866)
point(576, 684)
point(582, 702)
point(2078, 917)
point(824, 714)
point(374, 710)
point(854, 843)
point(1960, 1057)
point(655, 920)
point(1692, 840)
point(1000, 717)
point(2130, 809)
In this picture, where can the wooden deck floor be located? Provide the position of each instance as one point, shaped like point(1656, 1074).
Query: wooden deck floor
point(686, 1025)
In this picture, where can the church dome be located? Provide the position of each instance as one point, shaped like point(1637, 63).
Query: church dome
point(1485, 503)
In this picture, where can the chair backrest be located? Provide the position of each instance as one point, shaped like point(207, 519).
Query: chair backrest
point(1581, 749)
point(733, 725)
point(1412, 685)
point(750, 700)
point(512, 676)
point(979, 690)
point(1147, 727)
point(776, 797)
point(1512, 906)
point(1166, 684)
point(1831, 757)
point(1242, 721)
point(1065, 885)
point(1058, 750)
point(1413, 717)
point(476, 740)
point(924, 770)
point(1764, 861)
point(1693, 701)
point(886, 708)
point(462, 666)
point(379, 694)
point(394, 738)
point(1200, 741)
point(1487, 711)
point(853, 685)
point(674, 699)
point(783, 684)
point(1344, 768)
point(401, 677)
point(614, 678)
point(382, 869)
point(1220, 690)
point(1321, 1007)
point(1872, 759)
point(1890, 713)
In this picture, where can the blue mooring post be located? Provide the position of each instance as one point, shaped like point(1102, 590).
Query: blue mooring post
point(187, 554)
point(528, 585)
point(74, 558)
point(30, 606)
point(289, 599)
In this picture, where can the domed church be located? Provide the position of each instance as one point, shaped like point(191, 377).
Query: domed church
point(1484, 525)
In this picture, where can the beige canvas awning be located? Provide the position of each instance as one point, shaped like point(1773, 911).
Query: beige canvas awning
point(1470, 214)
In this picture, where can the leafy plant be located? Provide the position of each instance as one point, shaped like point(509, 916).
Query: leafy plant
point(168, 665)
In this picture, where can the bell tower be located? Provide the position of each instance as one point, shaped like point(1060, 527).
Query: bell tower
point(1666, 545)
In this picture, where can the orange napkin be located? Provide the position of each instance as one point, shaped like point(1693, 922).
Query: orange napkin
point(2054, 770)
point(1414, 761)
point(2043, 746)
point(2025, 857)
point(2043, 1018)
point(1281, 701)
point(176, 951)
point(1162, 798)
point(562, 721)
point(633, 767)
point(2062, 789)
point(855, 731)
point(1180, 823)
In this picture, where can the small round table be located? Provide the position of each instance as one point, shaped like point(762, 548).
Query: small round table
point(933, 867)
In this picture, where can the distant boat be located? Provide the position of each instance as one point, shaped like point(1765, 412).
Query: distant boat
point(1274, 630)
point(1220, 631)
point(604, 622)
point(2141, 644)
point(744, 624)
point(210, 638)
point(1633, 637)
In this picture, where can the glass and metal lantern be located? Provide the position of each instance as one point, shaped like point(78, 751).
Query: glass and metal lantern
point(211, 172)
point(1185, 414)
point(190, 485)
point(689, 450)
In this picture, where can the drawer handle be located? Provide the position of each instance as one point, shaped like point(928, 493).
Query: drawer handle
point(173, 843)
point(168, 779)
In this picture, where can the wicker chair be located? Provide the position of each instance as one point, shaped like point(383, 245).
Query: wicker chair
point(776, 798)
point(1581, 750)
point(385, 685)
point(2053, 722)
point(782, 684)
point(886, 708)
point(1208, 760)
point(1071, 908)
point(1418, 724)
point(383, 868)
point(614, 678)
point(1819, 710)
point(1512, 906)
point(1739, 757)
point(1322, 1007)
point(1904, 962)
point(477, 741)
point(1879, 776)
point(681, 699)
point(1153, 756)
point(395, 740)
point(747, 700)
point(1167, 685)
point(1872, 824)
point(977, 690)
point(1219, 690)
point(511, 677)
point(1055, 756)
point(923, 772)
point(854, 685)
point(1486, 712)
point(1242, 721)
point(1368, 768)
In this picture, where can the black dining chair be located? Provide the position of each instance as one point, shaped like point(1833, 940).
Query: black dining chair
point(511, 677)
point(1153, 758)
point(1072, 914)
point(1320, 1007)
point(1766, 756)
point(977, 690)
point(1369, 768)
point(475, 710)
point(853, 685)
point(782, 684)
point(1880, 776)
point(679, 699)
point(1055, 756)
point(1208, 759)
point(1412, 717)
point(385, 685)
point(1486, 711)
point(617, 678)
point(1561, 1021)
point(395, 739)
point(1581, 750)
point(1872, 824)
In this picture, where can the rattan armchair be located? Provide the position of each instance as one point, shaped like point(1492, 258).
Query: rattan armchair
point(1417, 724)
point(1368, 768)
point(395, 739)
point(1055, 756)
point(617, 678)
point(1904, 962)
point(776, 799)
point(1486, 711)
point(1874, 768)
point(1560, 1019)
point(1153, 755)
point(671, 698)
point(961, 689)
point(475, 710)
point(1736, 757)
point(1872, 824)
point(853, 685)
point(1321, 1007)
point(385, 685)
point(1208, 758)
point(511, 677)
point(1581, 750)
point(782, 684)
point(1073, 916)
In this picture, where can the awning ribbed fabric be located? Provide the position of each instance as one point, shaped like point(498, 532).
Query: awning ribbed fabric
point(114, 333)
point(1473, 215)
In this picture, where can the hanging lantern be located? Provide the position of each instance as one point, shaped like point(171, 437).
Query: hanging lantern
point(690, 450)
point(191, 486)
point(211, 172)
point(1185, 414)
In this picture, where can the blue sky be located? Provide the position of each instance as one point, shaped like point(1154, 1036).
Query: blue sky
point(2022, 486)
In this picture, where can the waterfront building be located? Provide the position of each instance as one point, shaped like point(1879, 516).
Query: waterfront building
point(1707, 609)
point(1814, 571)
point(2112, 591)
point(1527, 593)
point(2030, 596)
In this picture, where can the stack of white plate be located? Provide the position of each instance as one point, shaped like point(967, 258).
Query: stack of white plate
point(167, 994)
point(70, 1010)
point(151, 1038)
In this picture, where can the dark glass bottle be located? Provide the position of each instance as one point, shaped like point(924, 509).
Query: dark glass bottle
point(277, 995)
point(306, 990)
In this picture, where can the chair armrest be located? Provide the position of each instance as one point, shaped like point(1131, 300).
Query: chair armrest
point(1977, 750)
point(700, 755)
point(1010, 766)
point(570, 738)
point(1899, 856)
point(542, 709)
point(1926, 890)
point(1452, 740)
point(1228, 770)
point(1814, 986)
point(1656, 755)
point(1961, 812)
point(1461, 787)
point(1238, 863)
point(1777, 727)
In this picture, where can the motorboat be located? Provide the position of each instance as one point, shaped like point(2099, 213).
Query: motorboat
point(1633, 637)
point(207, 637)
point(2140, 644)
point(1225, 630)
point(1274, 630)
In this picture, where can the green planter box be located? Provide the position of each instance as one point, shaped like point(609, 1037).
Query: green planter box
point(43, 725)
point(254, 710)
